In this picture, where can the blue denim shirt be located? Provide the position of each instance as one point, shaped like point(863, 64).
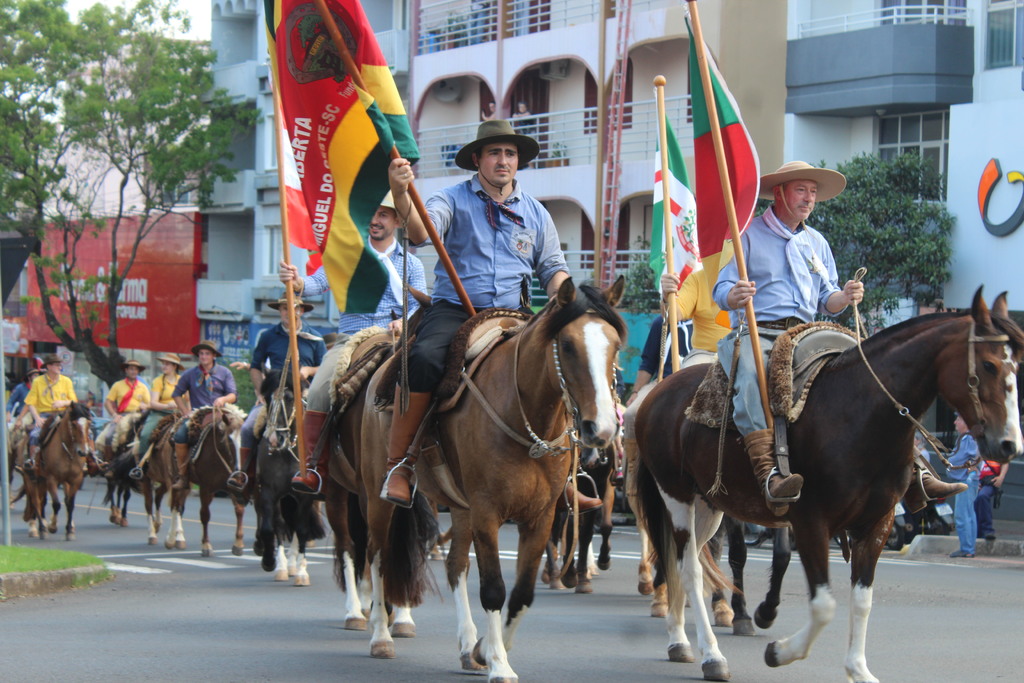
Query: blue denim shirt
point(965, 449)
point(493, 262)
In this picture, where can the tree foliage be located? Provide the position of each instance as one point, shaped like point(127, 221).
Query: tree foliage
point(115, 100)
point(890, 220)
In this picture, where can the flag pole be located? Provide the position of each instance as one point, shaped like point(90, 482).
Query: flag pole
point(730, 206)
point(414, 196)
point(666, 210)
point(293, 341)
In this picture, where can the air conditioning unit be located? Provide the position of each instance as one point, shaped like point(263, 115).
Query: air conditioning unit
point(448, 90)
point(556, 70)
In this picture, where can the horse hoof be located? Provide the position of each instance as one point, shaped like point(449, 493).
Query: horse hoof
point(742, 627)
point(584, 587)
point(436, 554)
point(113, 519)
point(355, 624)
point(723, 613)
point(478, 655)
point(771, 655)
point(762, 620)
point(556, 584)
point(237, 550)
point(301, 581)
point(124, 521)
point(469, 664)
point(33, 533)
point(403, 630)
point(659, 610)
point(151, 540)
point(645, 587)
point(382, 650)
point(570, 580)
point(207, 552)
point(680, 652)
point(179, 545)
point(70, 536)
point(716, 671)
point(604, 565)
point(281, 575)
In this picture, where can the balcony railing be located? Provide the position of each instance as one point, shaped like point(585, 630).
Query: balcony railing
point(566, 138)
point(394, 45)
point(947, 13)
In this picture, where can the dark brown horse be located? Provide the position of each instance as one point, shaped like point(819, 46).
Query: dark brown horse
point(217, 457)
point(60, 463)
point(122, 458)
point(160, 470)
point(852, 445)
point(556, 372)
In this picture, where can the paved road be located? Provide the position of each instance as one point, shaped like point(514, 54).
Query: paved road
point(175, 616)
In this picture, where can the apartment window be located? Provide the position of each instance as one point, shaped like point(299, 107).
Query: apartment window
point(274, 250)
point(1004, 45)
point(925, 134)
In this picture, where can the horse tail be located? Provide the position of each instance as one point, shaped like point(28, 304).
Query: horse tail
point(715, 579)
point(654, 515)
point(404, 561)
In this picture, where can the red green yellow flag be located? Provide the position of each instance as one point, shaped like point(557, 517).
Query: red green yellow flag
point(685, 256)
point(340, 136)
point(741, 160)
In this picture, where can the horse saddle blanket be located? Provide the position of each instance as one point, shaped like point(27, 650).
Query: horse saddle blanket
point(358, 360)
point(797, 357)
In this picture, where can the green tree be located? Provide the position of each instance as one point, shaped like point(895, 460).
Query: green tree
point(890, 220)
point(115, 98)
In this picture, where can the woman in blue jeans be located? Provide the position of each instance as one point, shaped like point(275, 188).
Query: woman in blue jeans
point(964, 468)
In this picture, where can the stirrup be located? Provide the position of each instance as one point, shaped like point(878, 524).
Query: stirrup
point(305, 489)
point(413, 484)
point(772, 499)
point(136, 474)
point(233, 481)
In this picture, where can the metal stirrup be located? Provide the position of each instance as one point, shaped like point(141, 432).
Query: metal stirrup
point(767, 492)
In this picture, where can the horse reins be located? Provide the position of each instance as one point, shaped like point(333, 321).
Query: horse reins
point(972, 382)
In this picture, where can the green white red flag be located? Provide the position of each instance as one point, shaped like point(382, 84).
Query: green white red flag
point(683, 207)
point(741, 160)
point(340, 137)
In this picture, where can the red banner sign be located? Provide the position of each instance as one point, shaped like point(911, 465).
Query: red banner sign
point(157, 307)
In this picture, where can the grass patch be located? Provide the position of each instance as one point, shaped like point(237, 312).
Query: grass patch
point(22, 559)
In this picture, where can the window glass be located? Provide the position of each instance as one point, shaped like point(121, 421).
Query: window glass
point(889, 132)
point(931, 126)
point(910, 129)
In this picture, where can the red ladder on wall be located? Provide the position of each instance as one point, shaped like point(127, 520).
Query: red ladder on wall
point(612, 162)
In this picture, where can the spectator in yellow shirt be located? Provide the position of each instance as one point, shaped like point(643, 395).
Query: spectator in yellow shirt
point(51, 392)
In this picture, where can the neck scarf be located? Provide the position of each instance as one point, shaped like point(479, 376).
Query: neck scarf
point(393, 276)
point(492, 209)
point(207, 380)
point(127, 397)
point(800, 266)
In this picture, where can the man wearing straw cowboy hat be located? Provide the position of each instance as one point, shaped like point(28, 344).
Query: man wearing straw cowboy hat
point(161, 404)
point(388, 314)
point(207, 384)
point(792, 276)
point(128, 395)
point(497, 236)
point(272, 349)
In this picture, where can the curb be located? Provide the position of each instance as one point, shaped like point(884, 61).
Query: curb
point(26, 584)
point(936, 545)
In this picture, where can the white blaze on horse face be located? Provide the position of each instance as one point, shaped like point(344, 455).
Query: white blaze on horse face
point(1013, 432)
point(597, 344)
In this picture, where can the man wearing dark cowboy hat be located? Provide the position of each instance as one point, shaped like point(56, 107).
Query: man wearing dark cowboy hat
point(272, 348)
point(51, 392)
point(497, 236)
point(388, 314)
point(128, 395)
point(207, 384)
point(792, 276)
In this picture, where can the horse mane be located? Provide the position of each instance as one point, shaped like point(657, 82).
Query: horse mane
point(272, 380)
point(235, 417)
point(552, 318)
point(78, 410)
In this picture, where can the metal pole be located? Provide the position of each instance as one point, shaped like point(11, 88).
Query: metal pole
point(5, 486)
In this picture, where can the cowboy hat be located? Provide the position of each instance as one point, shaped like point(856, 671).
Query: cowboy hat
point(132, 361)
point(330, 339)
point(389, 202)
point(830, 183)
point(51, 358)
point(31, 373)
point(208, 345)
point(276, 305)
point(171, 358)
point(497, 131)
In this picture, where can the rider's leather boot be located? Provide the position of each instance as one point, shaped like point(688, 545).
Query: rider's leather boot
point(31, 465)
point(925, 485)
point(397, 486)
point(779, 491)
point(181, 482)
point(586, 503)
point(239, 480)
point(316, 467)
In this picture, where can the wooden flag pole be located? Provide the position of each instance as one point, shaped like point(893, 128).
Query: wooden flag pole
point(730, 206)
point(414, 196)
point(666, 209)
point(293, 340)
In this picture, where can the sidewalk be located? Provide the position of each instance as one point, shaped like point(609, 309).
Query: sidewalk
point(1008, 547)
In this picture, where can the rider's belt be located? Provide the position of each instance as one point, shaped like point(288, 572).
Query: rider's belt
point(784, 324)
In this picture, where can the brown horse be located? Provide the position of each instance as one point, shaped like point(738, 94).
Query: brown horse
point(555, 373)
point(214, 441)
point(160, 470)
point(60, 463)
point(852, 444)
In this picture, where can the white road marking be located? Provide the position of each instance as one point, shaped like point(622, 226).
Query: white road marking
point(206, 564)
point(132, 569)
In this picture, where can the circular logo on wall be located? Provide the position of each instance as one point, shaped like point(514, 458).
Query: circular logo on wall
point(989, 179)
